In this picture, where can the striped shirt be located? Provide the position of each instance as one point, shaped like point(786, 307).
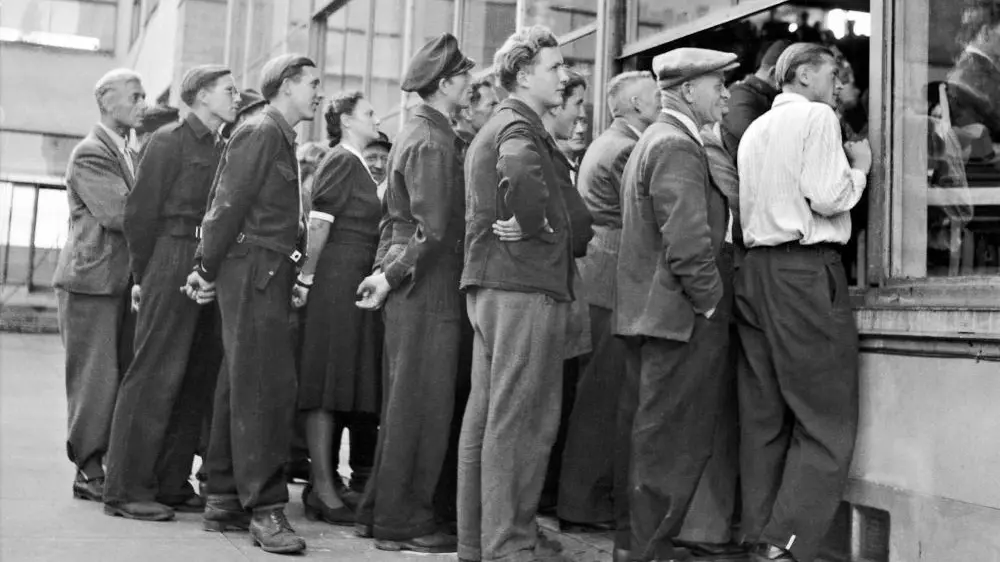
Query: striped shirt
point(795, 181)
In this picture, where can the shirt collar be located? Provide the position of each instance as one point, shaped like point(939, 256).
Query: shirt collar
point(789, 97)
point(119, 140)
point(691, 127)
point(282, 124)
point(196, 124)
point(361, 157)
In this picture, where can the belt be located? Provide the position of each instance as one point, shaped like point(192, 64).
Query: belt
point(295, 256)
point(796, 246)
point(182, 229)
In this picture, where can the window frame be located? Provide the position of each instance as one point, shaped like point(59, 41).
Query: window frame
point(108, 50)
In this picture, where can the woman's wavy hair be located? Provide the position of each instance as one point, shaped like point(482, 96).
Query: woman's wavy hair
point(341, 104)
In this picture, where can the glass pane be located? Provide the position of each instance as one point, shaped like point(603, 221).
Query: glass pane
point(487, 25)
point(948, 138)
point(563, 16)
point(69, 24)
point(35, 153)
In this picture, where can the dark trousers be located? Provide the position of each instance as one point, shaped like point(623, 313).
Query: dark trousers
point(674, 391)
point(798, 393)
point(167, 389)
point(257, 386)
point(586, 481)
point(93, 329)
point(550, 491)
point(446, 497)
point(422, 340)
point(510, 423)
point(362, 429)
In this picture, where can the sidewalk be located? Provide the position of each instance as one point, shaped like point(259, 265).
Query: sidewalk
point(40, 521)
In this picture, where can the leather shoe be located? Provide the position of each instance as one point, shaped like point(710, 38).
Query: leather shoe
point(435, 543)
point(588, 527)
point(188, 504)
point(621, 555)
point(316, 510)
point(224, 513)
point(270, 530)
point(142, 511)
point(88, 488)
point(764, 552)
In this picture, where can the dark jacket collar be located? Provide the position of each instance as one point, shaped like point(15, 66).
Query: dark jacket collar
point(523, 110)
point(278, 118)
point(437, 119)
point(199, 128)
point(671, 120)
point(761, 87)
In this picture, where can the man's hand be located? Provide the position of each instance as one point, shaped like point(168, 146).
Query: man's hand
point(510, 230)
point(136, 297)
point(300, 294)
point(859, 154)
point(373, 292)
point(199, 290)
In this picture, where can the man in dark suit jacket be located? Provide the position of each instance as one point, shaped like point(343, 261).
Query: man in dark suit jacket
point(251, 239)
point(587, 476)
point(92, 276)
point(669, 303)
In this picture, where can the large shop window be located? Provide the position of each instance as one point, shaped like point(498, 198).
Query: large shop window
point(87, 25)
point(946, 120)
point(567, 18)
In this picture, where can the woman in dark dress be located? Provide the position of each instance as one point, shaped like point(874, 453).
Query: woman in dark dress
point(341, 345)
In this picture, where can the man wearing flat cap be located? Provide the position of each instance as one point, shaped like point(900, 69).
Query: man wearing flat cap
point(421, 250)
point(669, 303)
point(159, 412)
point(252, 240)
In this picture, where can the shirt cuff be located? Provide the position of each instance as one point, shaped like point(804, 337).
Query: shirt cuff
point(325, 217)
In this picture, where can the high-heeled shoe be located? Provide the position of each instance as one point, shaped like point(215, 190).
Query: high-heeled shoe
point(316, 510)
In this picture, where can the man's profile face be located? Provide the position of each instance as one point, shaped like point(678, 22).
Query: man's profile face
point(222, 98)
point(481, 112)
point(126, 103)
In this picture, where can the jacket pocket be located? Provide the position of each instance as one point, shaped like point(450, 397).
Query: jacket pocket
point(268, 265)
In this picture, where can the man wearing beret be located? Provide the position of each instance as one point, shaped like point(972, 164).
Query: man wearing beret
point(251, 237)
point(519, 295)
point(798, 371)
point(422, 242)
point(669, 305)
point(158, 414)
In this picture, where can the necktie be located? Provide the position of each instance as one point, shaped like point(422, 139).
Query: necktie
point(130, 161)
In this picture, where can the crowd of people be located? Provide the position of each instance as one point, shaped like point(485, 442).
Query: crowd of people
point(441, 295)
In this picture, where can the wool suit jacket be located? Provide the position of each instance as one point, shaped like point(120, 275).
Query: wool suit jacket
point(600, 185)
point(95, 260)
point(674, 220)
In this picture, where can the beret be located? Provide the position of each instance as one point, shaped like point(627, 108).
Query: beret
point(156, 117)
point(277, 70)
point(438, 59)
point(681, 65)
point(249, 99)
point(382, 140)
point(199, 77)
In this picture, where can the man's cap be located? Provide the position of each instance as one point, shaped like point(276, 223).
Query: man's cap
point(278, 69)
point(681, 65)
point(249, 99)
point(774, 51)
point(198, 78)
point(440, 58)
point(156, 117)
point(382, 140)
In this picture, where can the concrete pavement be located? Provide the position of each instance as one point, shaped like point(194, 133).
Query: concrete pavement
point(40, 521)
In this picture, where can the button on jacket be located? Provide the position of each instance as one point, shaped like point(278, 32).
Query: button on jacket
point(673, 223)
point(510, 170)
point(171, 192)
point(423, 199)
point(256, 192)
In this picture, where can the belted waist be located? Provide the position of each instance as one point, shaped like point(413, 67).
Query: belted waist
point(402, 232)
point(294, 255)
point(796, 246)
point(180, 227)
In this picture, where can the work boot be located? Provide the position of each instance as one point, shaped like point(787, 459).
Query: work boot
point(224, 513)
point(141, 511)
point(270, 530)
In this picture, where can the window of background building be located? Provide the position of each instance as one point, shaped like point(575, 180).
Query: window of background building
point(563, 17)
point(87, 25)
point(135, 24)
point(946, 199)
point(487, 25)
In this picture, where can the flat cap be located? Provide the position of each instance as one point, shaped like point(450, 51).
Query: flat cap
point(440, 58)
point(681, 65)
point(278, 69)
point(249, 99)
point(198, 78)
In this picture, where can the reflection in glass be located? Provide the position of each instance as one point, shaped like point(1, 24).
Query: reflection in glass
point(70, 24)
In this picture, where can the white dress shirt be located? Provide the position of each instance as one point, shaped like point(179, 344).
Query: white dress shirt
point(795, 181)
point(122, 145)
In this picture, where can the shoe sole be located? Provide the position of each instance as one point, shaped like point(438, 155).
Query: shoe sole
point(116, 512)
point(293, 549)
point(394, 546)
point(224, 526)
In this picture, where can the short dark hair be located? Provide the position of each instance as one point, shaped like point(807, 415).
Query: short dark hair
point(475, 96)
point(574, 80)
point(343, 103)
point(520, 51)
point(797, 56)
